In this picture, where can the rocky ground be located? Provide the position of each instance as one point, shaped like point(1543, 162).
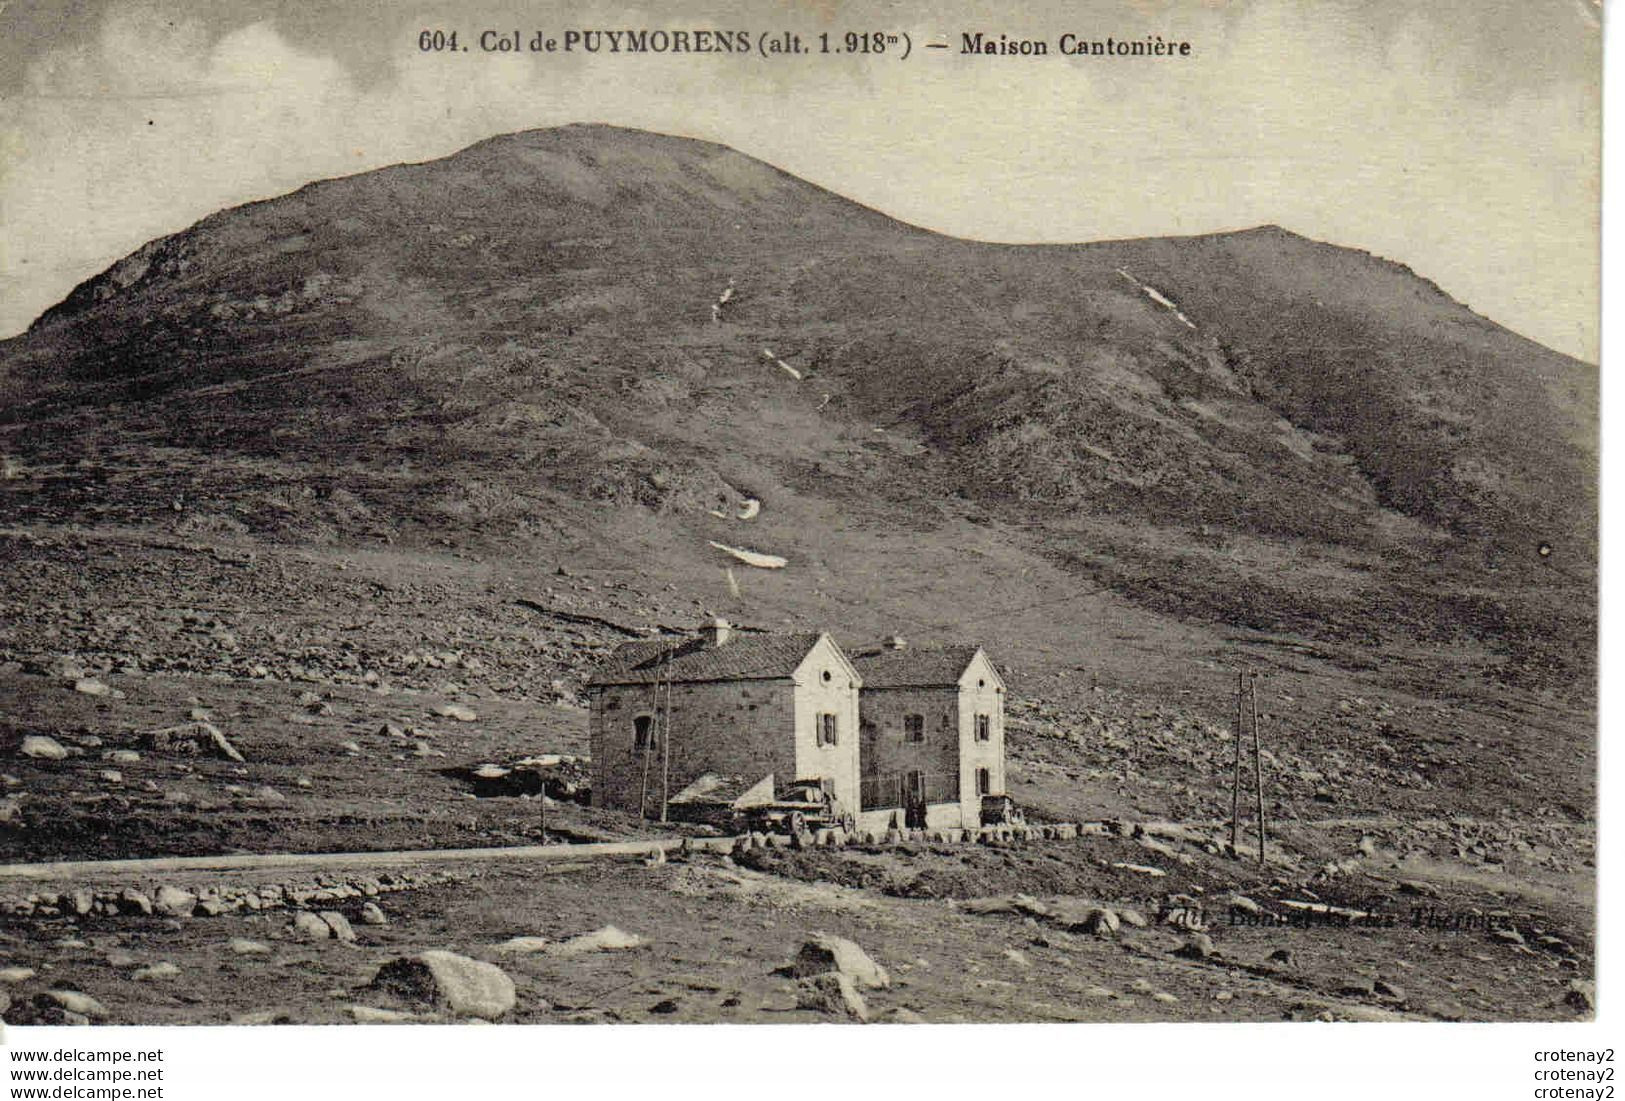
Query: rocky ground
point(315, 517)
point(195, 699)
point(1115, 927)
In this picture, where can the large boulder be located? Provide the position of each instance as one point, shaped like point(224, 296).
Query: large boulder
point(825, 953)
point(440, 979)
point(832, 992)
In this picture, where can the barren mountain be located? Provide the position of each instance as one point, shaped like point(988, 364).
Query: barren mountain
point(364, 480)
point(515, 347)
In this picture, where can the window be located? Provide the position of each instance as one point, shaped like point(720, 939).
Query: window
point(984, 728)
point(984, 781)
point(913, 728)
point(643, 733)
point(826, 730)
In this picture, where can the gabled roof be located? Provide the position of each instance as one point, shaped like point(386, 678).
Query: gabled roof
point(915, 667)
point(687, 660)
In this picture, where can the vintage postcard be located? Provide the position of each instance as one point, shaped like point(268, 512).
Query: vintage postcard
point(798, 513)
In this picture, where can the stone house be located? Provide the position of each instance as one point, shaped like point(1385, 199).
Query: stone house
point(931, 734)
point(911, 734)
point(665, 712)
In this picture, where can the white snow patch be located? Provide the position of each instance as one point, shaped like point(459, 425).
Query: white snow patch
point(767, 354)
point(753, 558)
point(1159, 298)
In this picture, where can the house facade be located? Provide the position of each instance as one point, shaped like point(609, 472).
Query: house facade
point(911, 736)
point(931, 732)
point(665, 712)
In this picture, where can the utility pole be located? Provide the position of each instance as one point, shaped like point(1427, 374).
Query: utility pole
point(1235, 786)
point(648, 743)
point(1258, 767)
point(665, 752)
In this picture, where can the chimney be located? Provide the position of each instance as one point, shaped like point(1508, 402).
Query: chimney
point(717, 632)
point(896, 642)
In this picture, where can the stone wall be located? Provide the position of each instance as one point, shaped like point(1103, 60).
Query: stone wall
point(735, 728)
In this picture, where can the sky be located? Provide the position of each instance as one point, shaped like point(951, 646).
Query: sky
point(1460, 137)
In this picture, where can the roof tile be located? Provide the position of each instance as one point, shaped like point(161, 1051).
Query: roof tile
point(687, 660)
point(914, 667)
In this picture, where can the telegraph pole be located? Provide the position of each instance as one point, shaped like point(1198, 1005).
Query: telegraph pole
point(1258, 766)
point(1235, 785)
point(665, 750)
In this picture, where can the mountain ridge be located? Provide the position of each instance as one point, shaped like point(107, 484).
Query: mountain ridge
point(467, 347)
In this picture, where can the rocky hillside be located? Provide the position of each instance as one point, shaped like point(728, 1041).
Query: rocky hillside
point(598, 340)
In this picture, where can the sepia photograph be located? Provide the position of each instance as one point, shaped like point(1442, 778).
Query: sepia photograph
point(766, 514)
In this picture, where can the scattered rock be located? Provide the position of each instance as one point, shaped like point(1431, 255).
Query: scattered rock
point(13, 975)
point(456, 711)
point(1581, 995)
point(262, 1017)
point(467, 987)
point(72, 1001)
point(372, 1015)
point(666, 1006)
point(1017, 957)
point(111, 776)
point(43, 748)
point(1385, 989)
point(339, 924)
point(1198, 946)
point(173, 902)
point(832, 992)
point(1281, 957)
point(132, 901)
point(194, 739)
point(311, 927)
point(90, 686)
point(242, 946)
point(1244, 904)
point(824, 953)
point(607, 939)
point(524, 944)
point(372, 915)
point(1102, 921)
point(1006, 904)
point(164, 970)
